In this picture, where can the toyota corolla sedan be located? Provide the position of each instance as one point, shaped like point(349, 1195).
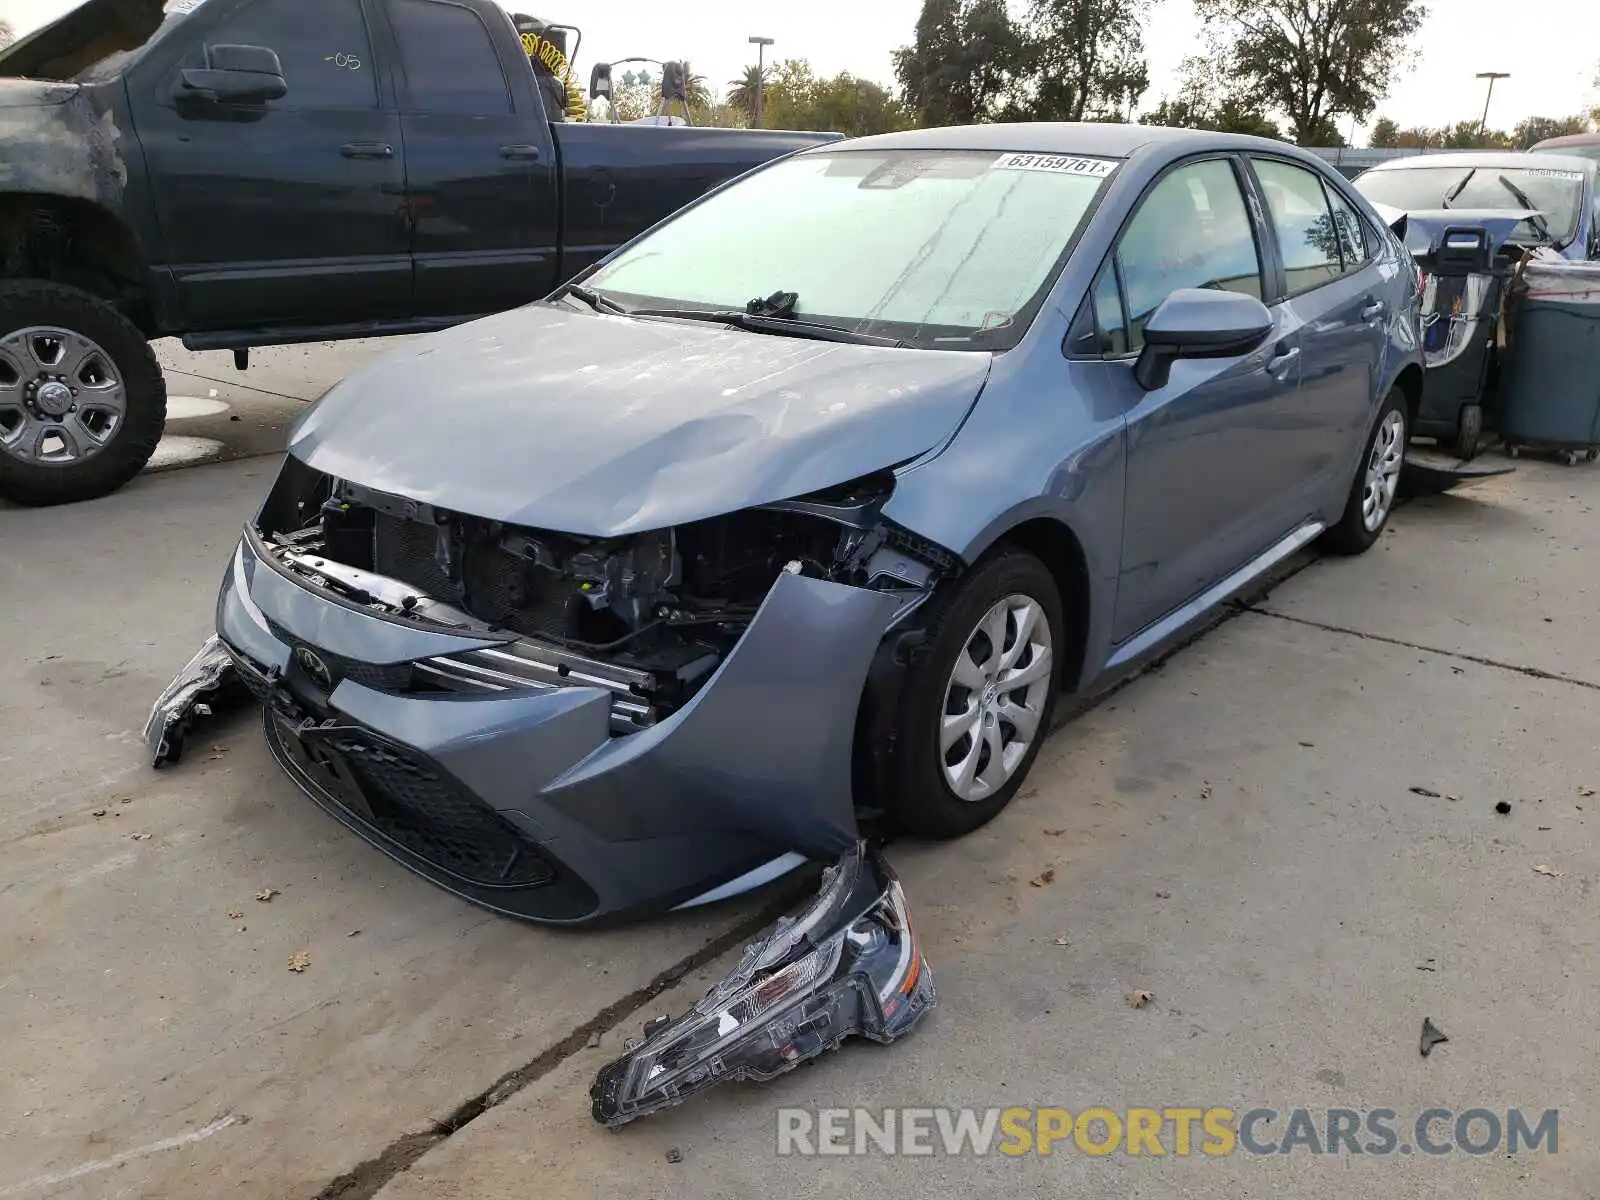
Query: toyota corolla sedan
point(814, 499)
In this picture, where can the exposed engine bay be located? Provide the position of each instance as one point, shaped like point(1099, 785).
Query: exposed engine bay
point(663, 608)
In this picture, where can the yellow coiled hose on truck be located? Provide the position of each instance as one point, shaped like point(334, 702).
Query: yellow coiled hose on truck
point(549, 55)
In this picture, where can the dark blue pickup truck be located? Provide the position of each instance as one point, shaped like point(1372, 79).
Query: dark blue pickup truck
point(250, 172)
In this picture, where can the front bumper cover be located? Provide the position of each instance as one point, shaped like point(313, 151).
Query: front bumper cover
point(754, 769)
point(848, 964)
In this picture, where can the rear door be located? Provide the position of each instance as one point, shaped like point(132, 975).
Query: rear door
point(480, 161)
point(288, 212)
point(1336, 310)
point(1203, 472)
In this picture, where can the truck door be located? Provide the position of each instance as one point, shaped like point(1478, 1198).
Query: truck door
point(289, 212)
point(480, 161)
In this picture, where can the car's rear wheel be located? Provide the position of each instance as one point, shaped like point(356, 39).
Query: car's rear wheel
point(1377, 481)
point(978, 701)
point(82, 400)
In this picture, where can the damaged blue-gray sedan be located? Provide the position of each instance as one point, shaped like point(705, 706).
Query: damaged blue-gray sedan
point(810, 501)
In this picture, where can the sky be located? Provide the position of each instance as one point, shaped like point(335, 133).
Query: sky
point(1438, 87)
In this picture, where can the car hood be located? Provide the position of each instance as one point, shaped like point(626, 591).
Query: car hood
point(34, 93)
point(601, 425)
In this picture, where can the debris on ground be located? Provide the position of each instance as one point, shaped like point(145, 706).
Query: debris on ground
point(299, 961)
point(674, 1155)
point(1048, 875)
point(353, 933)
point(594, 1040)
point(1205, 791)
point(1422, 791)
point(266, 894)
point(847, 964)
point(1138, 998)
point(1061, 941)
point(1163, 895)
point(1309, 745)
point(1586, 791)
point(1426, 966)
point(1547, 869)
point(99, 812)
point(140, 837)
point(1054, 832)
point(235, 915)
point(1432, 1035)
point(1503, 807)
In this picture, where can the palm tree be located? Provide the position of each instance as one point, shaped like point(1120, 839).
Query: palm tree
point(743, 91)
point(695, 85)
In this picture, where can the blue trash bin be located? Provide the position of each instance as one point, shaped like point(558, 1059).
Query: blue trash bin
point(1549, 389)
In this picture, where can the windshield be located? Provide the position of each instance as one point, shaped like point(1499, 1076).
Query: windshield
point(937, 248)
point(1556, 194)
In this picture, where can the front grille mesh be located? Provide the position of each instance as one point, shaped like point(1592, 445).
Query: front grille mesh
point(431, 816)
point(404, 550)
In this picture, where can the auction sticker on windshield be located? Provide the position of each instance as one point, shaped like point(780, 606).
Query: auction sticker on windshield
point(1545, 173)
point(1058, 164)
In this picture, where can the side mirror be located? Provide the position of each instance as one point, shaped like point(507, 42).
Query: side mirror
point(600, 81)
point(237, 75)
point(1199, 323)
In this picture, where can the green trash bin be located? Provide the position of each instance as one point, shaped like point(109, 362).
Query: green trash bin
point(1549, 390)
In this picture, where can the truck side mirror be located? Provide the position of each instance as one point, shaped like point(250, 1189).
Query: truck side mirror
point(237, 75)
point(600, 81)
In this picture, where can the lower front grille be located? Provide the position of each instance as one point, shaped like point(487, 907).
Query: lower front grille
point(417, 807)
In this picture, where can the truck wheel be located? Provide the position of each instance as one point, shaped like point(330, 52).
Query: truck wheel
point(1469, 437)
point(82, 400)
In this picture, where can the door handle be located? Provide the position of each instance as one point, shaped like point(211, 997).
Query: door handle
point(1278, 365)
point(528, 152)
point(1373, 310)
point(367, 150)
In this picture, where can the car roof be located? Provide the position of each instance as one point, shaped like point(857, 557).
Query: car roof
point(1066, 137)
point(1569, 140)
point(1486, 158)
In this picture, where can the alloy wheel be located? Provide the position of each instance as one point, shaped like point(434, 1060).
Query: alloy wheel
point(1383, 470)
point(995, 697)
point(61, 398)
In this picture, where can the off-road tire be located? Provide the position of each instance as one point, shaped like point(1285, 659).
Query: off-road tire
point(24, 303)
point(919, 799)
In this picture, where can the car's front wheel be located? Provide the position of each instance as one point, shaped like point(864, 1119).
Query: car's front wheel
point(978, 701)
point(1377, 482)
point(82, 400)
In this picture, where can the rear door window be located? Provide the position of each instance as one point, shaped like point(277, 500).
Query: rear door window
point(1191, 231)
point(449, 59)
point(1307, 237)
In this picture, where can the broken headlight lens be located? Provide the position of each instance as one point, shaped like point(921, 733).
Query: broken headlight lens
point(846, 964)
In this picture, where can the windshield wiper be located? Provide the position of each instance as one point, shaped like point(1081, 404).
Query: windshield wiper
point(594, 299)
point(1540, 225)
point(1450, 196)
point(764, 323)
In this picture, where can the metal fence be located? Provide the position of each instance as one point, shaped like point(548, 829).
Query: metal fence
point(1350, 161)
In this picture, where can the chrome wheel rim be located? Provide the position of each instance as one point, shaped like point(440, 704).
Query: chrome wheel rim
point(61, 398)
point(995, 698)
point(1383, 471)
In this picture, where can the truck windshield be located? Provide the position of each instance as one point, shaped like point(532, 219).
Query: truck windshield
point(935, 248)
point(1556, 194)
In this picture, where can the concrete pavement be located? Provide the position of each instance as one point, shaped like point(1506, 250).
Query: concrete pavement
point(1280, 899)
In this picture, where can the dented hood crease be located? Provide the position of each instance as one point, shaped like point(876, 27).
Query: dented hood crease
point(597, 425)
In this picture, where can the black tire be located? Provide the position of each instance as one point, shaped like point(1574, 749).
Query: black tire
point(920, 800)
point(26, 303)
point(1469, 435)
point(1351, 535)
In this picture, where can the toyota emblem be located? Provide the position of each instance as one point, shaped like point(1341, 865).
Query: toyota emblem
point(314, 667)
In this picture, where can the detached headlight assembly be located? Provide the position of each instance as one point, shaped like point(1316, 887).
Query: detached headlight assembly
point(848, 964)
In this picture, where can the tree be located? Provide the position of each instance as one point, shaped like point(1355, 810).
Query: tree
point(1419, 137)
point(742, 92)
point(1385, 135)
point(964, 64)
point(797, 99)
point(7, 36)
point(1536, 129)
point(1466, 135)
point(695, 85)
point(1202, 103)
point(1312, 60)
point(1084, 58)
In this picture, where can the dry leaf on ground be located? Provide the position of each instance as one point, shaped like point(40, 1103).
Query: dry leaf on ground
point(266, 894)
point(1138, 998)
point(1048, 875)
point(299, 961)
point(1547, 869)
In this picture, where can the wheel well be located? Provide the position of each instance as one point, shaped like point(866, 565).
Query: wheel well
point(1409, 382)
point(78, 243)
point(1055, 545)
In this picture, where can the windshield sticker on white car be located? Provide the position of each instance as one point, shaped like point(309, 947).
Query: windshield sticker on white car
point(1546, 173)
point(1057, 164)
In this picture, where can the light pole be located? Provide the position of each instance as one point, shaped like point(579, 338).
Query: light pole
point(1491, 76)
point(761, 44)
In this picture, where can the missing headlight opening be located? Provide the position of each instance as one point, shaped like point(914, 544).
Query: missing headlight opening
point(648, 615)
